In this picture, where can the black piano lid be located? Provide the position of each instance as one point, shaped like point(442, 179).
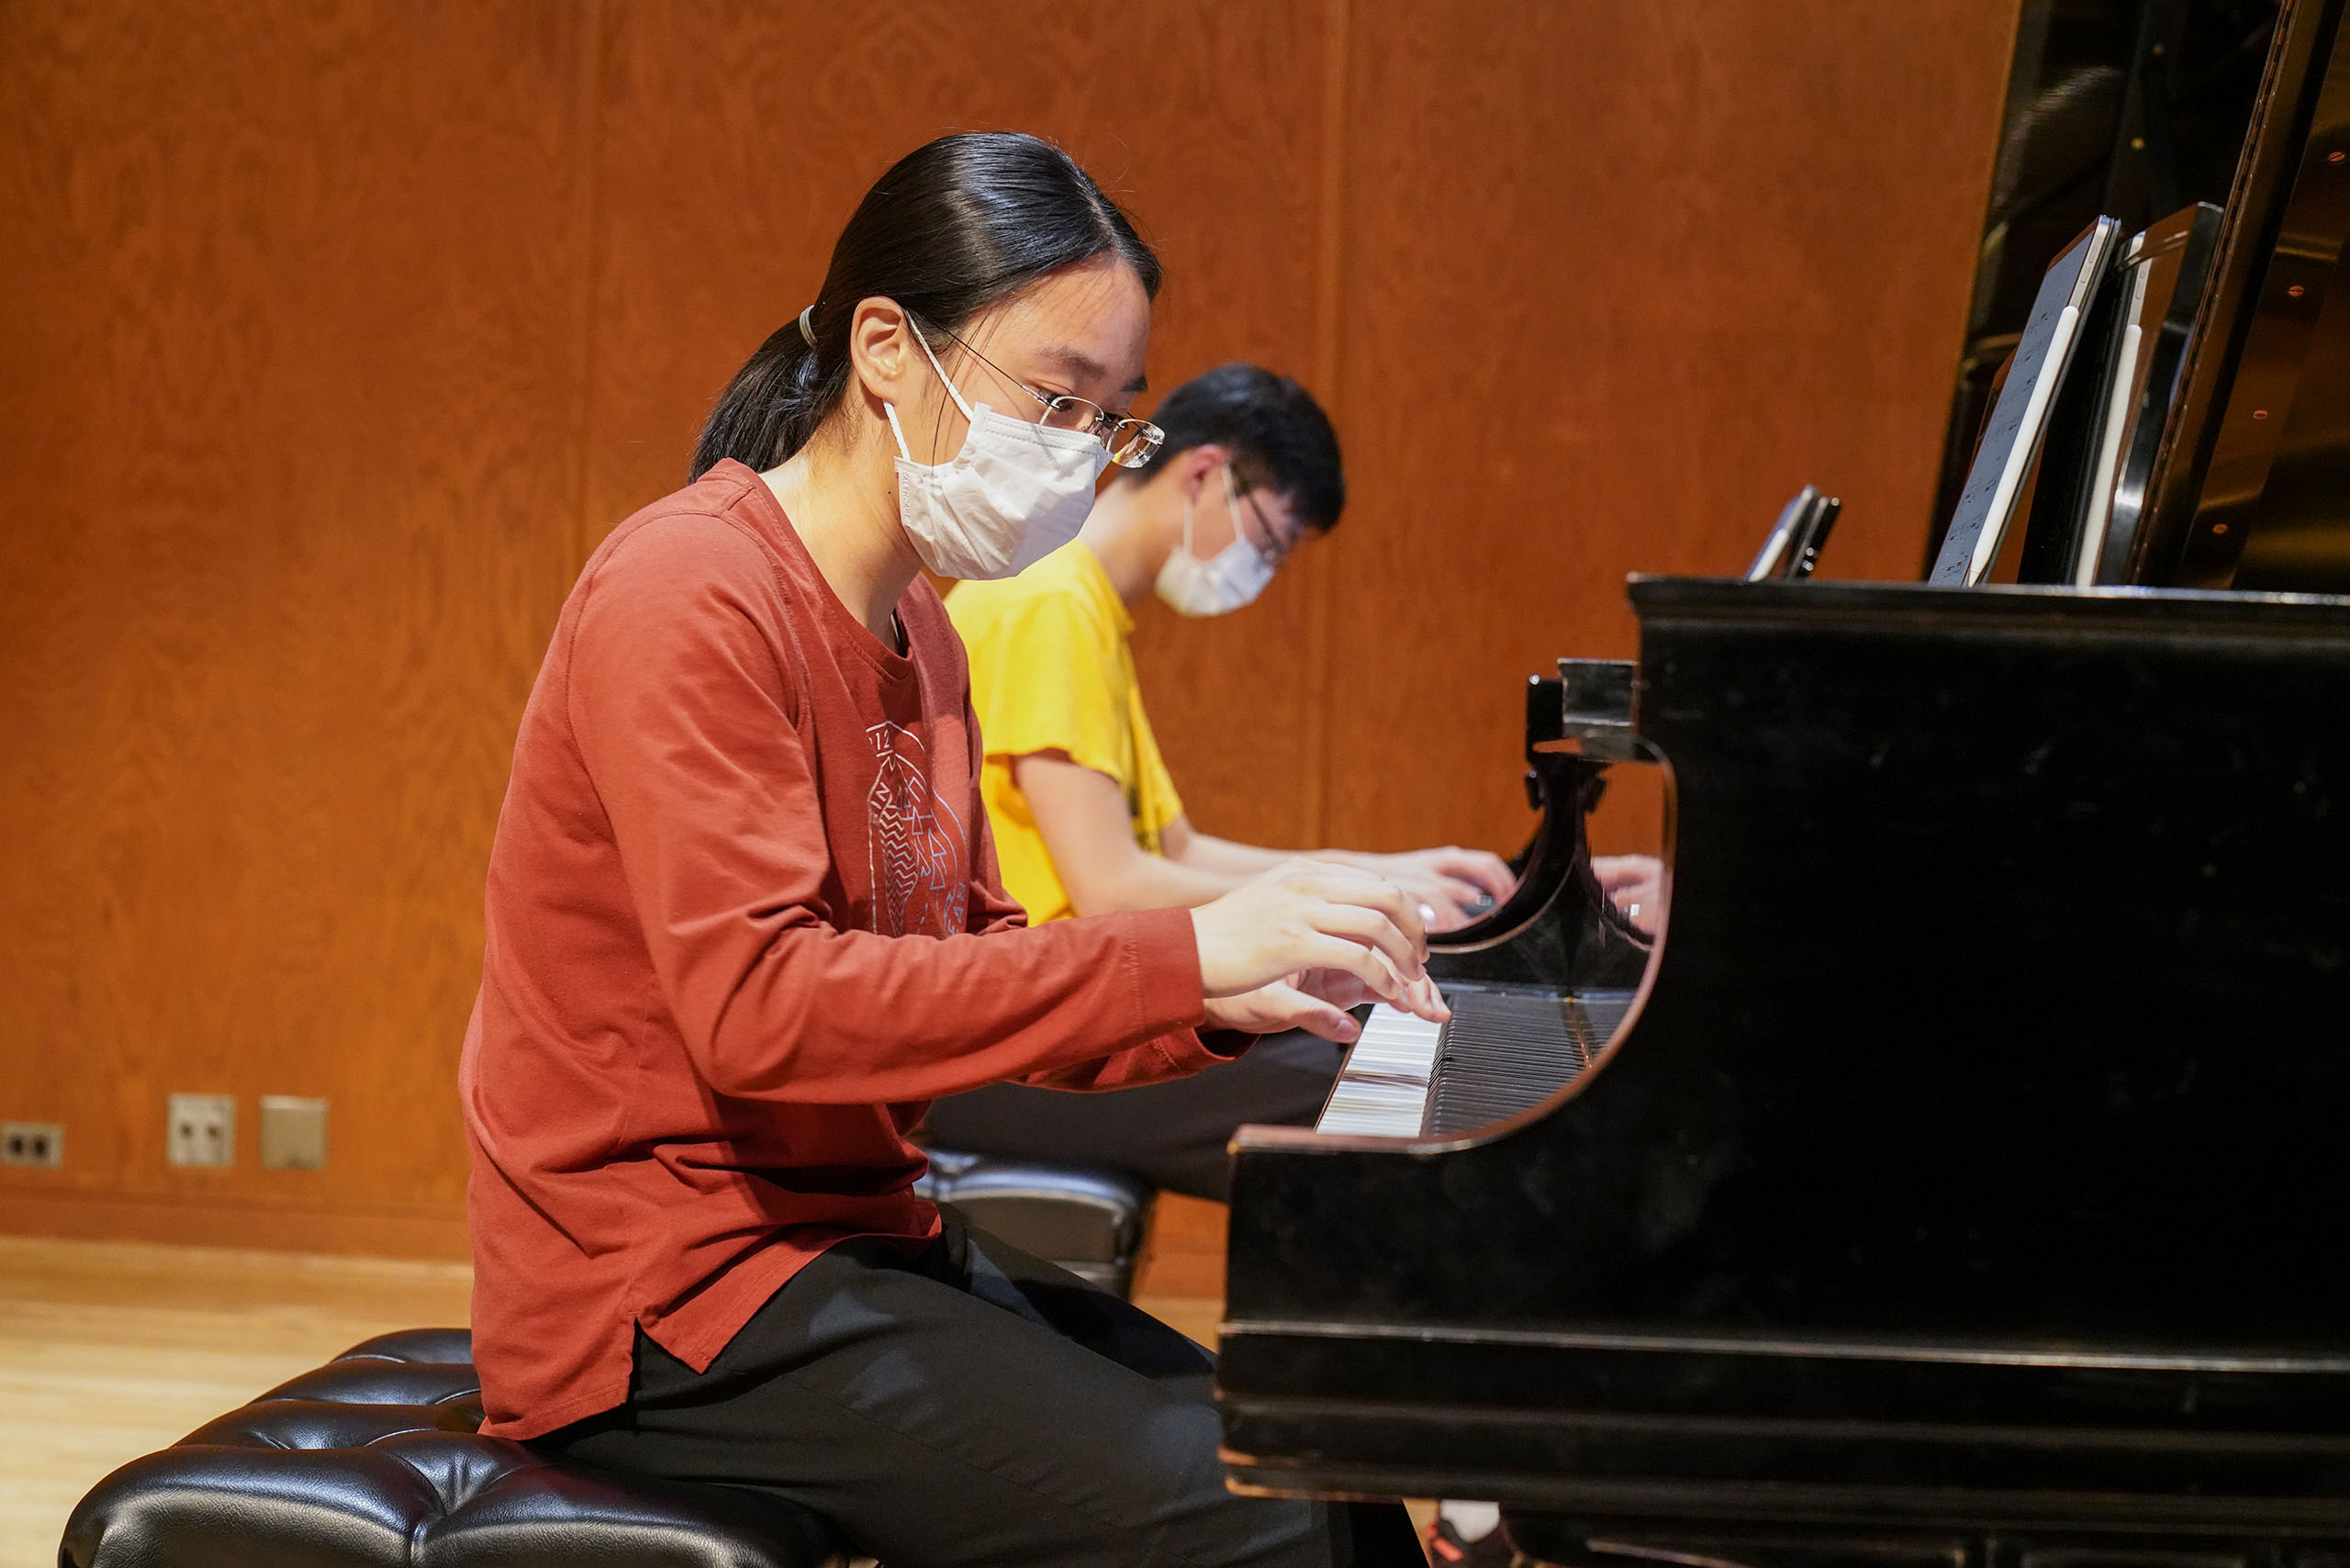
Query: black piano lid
point(1982, 1126)
point(2132, 108)
point(2246, 490)
point(2232, 613)
point(2246, 487)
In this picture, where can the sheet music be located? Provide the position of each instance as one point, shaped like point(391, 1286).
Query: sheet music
point(2167, 268)
point(2019, 419)
point(1770, 561)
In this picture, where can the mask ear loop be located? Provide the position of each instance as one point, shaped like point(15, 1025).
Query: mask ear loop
point(1231, 510)
point(1239, 533)
point(891, 410)
point(897, 430)
point(961, 407)
point(1187, 531)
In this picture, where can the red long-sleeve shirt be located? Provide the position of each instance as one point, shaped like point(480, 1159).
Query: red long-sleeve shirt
point(743, 923)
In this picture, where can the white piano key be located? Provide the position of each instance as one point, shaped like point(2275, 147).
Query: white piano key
point(1384, 1087)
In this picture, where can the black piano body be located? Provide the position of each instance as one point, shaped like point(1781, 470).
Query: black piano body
point(1556, 926)
point(1966, 1182)
point(1971, 1175)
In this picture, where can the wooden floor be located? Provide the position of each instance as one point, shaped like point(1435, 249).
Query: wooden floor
point(112, 1349)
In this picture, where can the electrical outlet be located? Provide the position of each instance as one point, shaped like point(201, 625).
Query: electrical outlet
point(293, 1132)
point(202, 1130)
point(37, 1144)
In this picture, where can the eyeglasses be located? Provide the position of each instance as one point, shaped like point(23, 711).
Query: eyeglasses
point(1130, 441)
point(1276, 548)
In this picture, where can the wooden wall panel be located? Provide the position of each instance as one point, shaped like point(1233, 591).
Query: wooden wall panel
point(290, 317)
point(739, 136)
point(333, 336)
point(1619, 279)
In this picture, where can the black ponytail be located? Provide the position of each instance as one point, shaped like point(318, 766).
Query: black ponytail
point(953, 227)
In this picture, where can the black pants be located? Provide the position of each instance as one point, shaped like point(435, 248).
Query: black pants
point(1170, 1135)
point(966, 1404)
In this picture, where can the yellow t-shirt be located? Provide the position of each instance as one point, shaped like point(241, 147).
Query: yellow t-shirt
point(1052, 670)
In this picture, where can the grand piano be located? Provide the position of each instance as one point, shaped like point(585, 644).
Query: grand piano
point(1959, 1177)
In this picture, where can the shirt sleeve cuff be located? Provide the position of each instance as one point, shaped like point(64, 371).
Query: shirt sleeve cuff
point(1166, 957)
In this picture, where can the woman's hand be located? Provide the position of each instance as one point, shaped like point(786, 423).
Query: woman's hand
point(1317, 1002)
point(1635, 884)
point(1442, 880)
point(1304, 916)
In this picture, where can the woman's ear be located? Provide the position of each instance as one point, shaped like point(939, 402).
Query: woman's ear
point(880, 348)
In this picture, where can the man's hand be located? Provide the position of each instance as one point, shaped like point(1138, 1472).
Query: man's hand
point(1313, 915)
point(1635, 884)
point(1317, 1002)
point(1442, 880)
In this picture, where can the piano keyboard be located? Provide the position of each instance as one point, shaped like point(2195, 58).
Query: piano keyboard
point(1504, 1051)
point(1384, 1087)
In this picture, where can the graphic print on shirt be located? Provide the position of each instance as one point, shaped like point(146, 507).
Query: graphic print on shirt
point(917, 861)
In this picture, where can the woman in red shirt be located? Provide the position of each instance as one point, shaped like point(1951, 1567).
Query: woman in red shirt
point(743, 922)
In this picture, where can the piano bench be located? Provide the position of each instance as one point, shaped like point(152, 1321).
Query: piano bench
point(373, 1461)
point(1083, 1217)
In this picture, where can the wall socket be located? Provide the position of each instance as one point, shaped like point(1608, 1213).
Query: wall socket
point(293, 1132)
point(37, 1144)
point(202, 1130)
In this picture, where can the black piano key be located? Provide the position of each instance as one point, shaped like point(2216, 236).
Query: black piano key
point(1506, 1051)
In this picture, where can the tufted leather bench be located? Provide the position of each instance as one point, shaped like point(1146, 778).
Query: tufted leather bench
point(373, 1459)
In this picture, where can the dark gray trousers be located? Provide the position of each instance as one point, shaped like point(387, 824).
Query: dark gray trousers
point(965, 1404)
point(1169, 1135)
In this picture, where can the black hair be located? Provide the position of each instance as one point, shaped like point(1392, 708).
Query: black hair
point(1278, 435)
point(953, 227)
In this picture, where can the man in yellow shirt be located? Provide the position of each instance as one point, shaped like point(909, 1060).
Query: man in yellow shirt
point(1086, 816)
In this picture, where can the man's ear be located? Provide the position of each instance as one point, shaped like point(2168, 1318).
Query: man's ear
point(1196, 467)
point(881, 350)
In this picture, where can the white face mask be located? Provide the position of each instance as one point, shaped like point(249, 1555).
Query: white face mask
point(1015, 493)
point(1234, 576)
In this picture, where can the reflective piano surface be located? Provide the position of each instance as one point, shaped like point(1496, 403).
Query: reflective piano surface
point(1506, 1050)
point(1968, 1176)
point(1539, 985)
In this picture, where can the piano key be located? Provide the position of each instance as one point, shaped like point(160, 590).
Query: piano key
point(1383, 1089)
point(1504, 1052)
